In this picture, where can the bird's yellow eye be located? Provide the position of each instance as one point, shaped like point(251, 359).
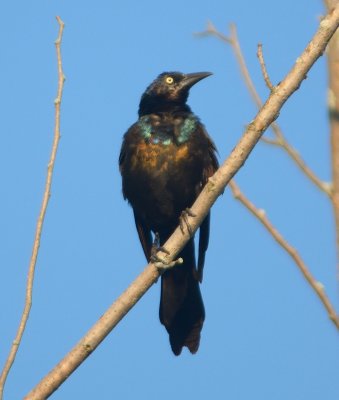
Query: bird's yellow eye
point(169, 80)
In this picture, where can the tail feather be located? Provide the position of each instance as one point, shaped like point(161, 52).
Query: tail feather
point(181, 306)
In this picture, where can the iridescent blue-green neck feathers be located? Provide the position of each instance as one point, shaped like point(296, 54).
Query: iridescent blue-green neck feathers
point(155, 129)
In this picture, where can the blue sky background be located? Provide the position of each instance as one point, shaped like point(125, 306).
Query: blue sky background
point(266, 335)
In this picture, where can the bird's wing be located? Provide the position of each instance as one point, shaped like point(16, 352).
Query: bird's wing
point(204, 233)
point(144, 232)
point(145, 236)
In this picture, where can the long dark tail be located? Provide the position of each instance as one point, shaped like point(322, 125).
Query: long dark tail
point(181, 306)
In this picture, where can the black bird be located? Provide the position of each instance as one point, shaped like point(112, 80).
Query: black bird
point(165, 160)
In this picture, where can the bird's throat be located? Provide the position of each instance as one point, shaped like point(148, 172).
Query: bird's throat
point(166, 130)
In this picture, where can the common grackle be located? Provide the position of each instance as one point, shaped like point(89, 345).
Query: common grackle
point(165, 160)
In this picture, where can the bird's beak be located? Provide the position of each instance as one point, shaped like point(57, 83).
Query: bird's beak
point(192, 79)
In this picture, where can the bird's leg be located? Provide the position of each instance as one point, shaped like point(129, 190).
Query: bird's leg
point(156, 248)
point(183, 220)
point(160, 263)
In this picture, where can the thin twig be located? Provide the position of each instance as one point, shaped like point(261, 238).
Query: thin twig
point(40, 222)
point(261, 216)
point(281, 141)
point(273, 142)
point(263, 68)
point(212, 190)
point(326, 187)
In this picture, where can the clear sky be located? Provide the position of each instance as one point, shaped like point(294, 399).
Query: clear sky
point(266, 335)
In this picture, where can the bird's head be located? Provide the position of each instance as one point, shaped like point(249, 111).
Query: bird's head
point(169, 91)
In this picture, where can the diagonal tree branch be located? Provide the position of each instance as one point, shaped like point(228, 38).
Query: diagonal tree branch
point(200, 208)
point(30, 278)
point(260, 215)
point(280, 140)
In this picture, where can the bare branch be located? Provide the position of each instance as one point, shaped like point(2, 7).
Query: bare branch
point(263, 68)
point(273, 142)
point(333, 111)
point(280, 138)
point(211, 30)
point(330, 4)
point(315, 285)
point(233, 41)
point(243, 66)
point(326, 187)
point(281, 142)
point(40, 222)
point(200, 208)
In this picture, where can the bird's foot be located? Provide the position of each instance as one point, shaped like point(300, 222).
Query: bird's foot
point(160, 263)
point(183, 221)
point(163, 265)
point(156, 248)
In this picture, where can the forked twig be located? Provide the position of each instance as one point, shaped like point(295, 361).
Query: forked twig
point(47, 193)
point(280, 140)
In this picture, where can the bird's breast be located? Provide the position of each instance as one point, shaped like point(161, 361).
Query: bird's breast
point(163, 143)
point(158, 157)
point(160, 181)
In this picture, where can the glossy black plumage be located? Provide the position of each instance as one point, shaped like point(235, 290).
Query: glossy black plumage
point(165, 160)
